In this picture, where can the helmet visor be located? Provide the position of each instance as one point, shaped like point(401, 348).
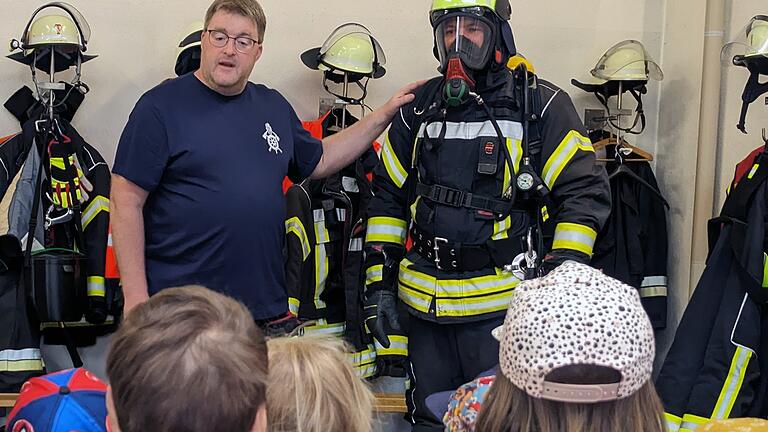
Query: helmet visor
point(468, 37)
point(360, 32)
point(56, 8)
point(751, 43)
point(627, 61)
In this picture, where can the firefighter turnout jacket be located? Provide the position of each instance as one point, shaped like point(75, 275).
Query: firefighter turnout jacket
point(443, 177)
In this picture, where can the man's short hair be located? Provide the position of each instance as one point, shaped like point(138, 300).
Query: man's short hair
point(188, 359)
point(247, 8)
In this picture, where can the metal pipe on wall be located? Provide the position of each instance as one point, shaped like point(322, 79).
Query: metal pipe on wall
point(708, 132)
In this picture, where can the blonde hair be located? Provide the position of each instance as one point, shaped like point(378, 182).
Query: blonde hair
point(313, 387)
point(247, 8)
point(509, 409)
point(186, 359)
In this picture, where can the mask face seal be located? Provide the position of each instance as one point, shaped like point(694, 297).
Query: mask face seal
point(464, 43)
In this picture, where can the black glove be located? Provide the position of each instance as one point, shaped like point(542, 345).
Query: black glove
point(380, 310)
point(558, 256)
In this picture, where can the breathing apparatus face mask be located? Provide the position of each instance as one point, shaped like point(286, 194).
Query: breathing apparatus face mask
point(464, 43)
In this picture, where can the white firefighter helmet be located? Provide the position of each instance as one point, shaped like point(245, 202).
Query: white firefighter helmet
point(752, 43)
point(350, 48)
point(626, 61)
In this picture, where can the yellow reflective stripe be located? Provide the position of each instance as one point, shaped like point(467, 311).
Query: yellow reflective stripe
point(321, 274)
point(21, 365)
point(394, 168)
point(456, 288)
point(753, 171)
point(692, 422)
point(294, 226)
point(27, 359)
point(414, 299)
point(765, 270)
point(374, 274)
point(563, 154)
point(656, 291)
point(732, 385)
point(544, 214)
point(413, 207)
point(321, 232)
point(363, 357)
point(323, 328)
point(653, 286)
point(82, 323)
point(366, 371)
point(673, 422)
point(500, 228)
point(96, 286)
point(293, 305)
point(455, 297)
point(97, 205)
point(398, 345)
point(386, 229)
point(473, 306)
point(574, 237)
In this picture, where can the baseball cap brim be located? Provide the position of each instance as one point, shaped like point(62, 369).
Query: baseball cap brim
point(438, 403)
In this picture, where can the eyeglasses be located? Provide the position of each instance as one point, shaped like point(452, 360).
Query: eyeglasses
point(243, 44)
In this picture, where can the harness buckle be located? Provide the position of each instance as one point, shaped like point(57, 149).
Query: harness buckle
point(436, 246)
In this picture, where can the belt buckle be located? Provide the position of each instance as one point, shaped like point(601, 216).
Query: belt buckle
point(436, 247)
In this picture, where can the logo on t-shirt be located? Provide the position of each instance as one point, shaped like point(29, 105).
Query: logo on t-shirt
point(273, 140)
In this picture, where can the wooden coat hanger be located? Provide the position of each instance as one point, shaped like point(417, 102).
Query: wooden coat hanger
point(642, 155)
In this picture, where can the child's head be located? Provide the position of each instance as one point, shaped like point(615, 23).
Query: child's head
point(314, 388)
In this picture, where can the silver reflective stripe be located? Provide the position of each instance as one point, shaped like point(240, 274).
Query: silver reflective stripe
point(472, 130)
point(416, 302)
point(502, 302)
point(361, 358)
point(393, 345)
point(356, 245)
point(672, 426)
point(321, 234)
point(562, 155)
point(653, 291)
point(733, 383)
point(654, 281)
point(318, 215)
point(386, 230)
point(688, 426)
point(367, 371)
point(325, 329)
point(341, 214)
point(22, 354)
point(574, 236)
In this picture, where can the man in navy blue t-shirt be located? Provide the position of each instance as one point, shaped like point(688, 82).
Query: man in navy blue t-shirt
point(196, 193)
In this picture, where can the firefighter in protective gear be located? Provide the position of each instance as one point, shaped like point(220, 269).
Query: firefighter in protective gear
point(474, 170)
point(751, 52)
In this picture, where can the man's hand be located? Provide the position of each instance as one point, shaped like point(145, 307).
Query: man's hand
point(402, 97)
point(381, 309)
